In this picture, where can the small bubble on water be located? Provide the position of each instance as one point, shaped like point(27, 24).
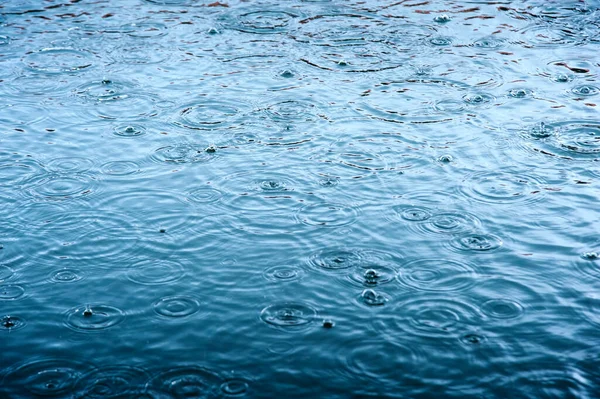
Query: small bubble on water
point(372, 298)
point(591, 255)
point(213, 31)
point(7, 322)
point(328, 323)
point(287, 74)
point(442, 19)
point(342, 63)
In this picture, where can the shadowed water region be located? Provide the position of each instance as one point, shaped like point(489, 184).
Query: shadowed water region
point(309, 198)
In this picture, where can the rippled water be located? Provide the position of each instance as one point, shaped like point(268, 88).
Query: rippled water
point(299, 199)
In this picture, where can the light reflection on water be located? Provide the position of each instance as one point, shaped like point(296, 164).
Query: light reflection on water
point(317, 198)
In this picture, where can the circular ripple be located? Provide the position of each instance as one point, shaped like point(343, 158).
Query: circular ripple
point(235, 387)
point(208, 115)
point(112, 382)
point(372, 274)
point(339, 30)
point(520, 93)
point(585, 90)
point(441, 41)
point(260, 21)
point(437, 275)
point(328, 214)
point(5, 273)
point(145, 29)
point(155, 272)
point(185, 382)
point(335, 259)
point(66, 276)
point(61, 187)
point(573, 139)
point(502, 308)
point(120, 168)
point(106, 90)
point(293, 111)
point(183, 153)
point(477, 242)
point(93, 317)
point(489, 42)
point(434, 316)
point(14, 173)
point(370, 57)
point(413, 101)
point(11, 292)
point(176, 306)
point(371, 297)
point(12, 323)
point(502, 187)
point(289, 315)
point(129, 130)
point(138, 55)
point(450, 223)
point(482, 100)
point(283, 273)
point(204, 195)
point(58, 60)
point(549, 36)
point(413, 214)
point(379, 360)
point(47, 378)
point(69, 165)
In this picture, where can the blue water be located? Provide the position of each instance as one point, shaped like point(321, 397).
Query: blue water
point(299, 199)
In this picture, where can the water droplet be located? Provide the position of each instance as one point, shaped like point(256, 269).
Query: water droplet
point(415, 214)
point(445, 158)
point(372, 298)
point(235, 387)
point(586, 90)
point(92, 318)
point(130, 131)
point(289, 316)
point(328, 323)
point(442, 19)
point(477, 242)
point(12, 323)
point(520, 93)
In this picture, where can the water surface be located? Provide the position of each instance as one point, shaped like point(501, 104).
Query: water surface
point(299, 199)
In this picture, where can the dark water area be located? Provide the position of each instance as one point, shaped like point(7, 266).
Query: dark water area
point(299, 199)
